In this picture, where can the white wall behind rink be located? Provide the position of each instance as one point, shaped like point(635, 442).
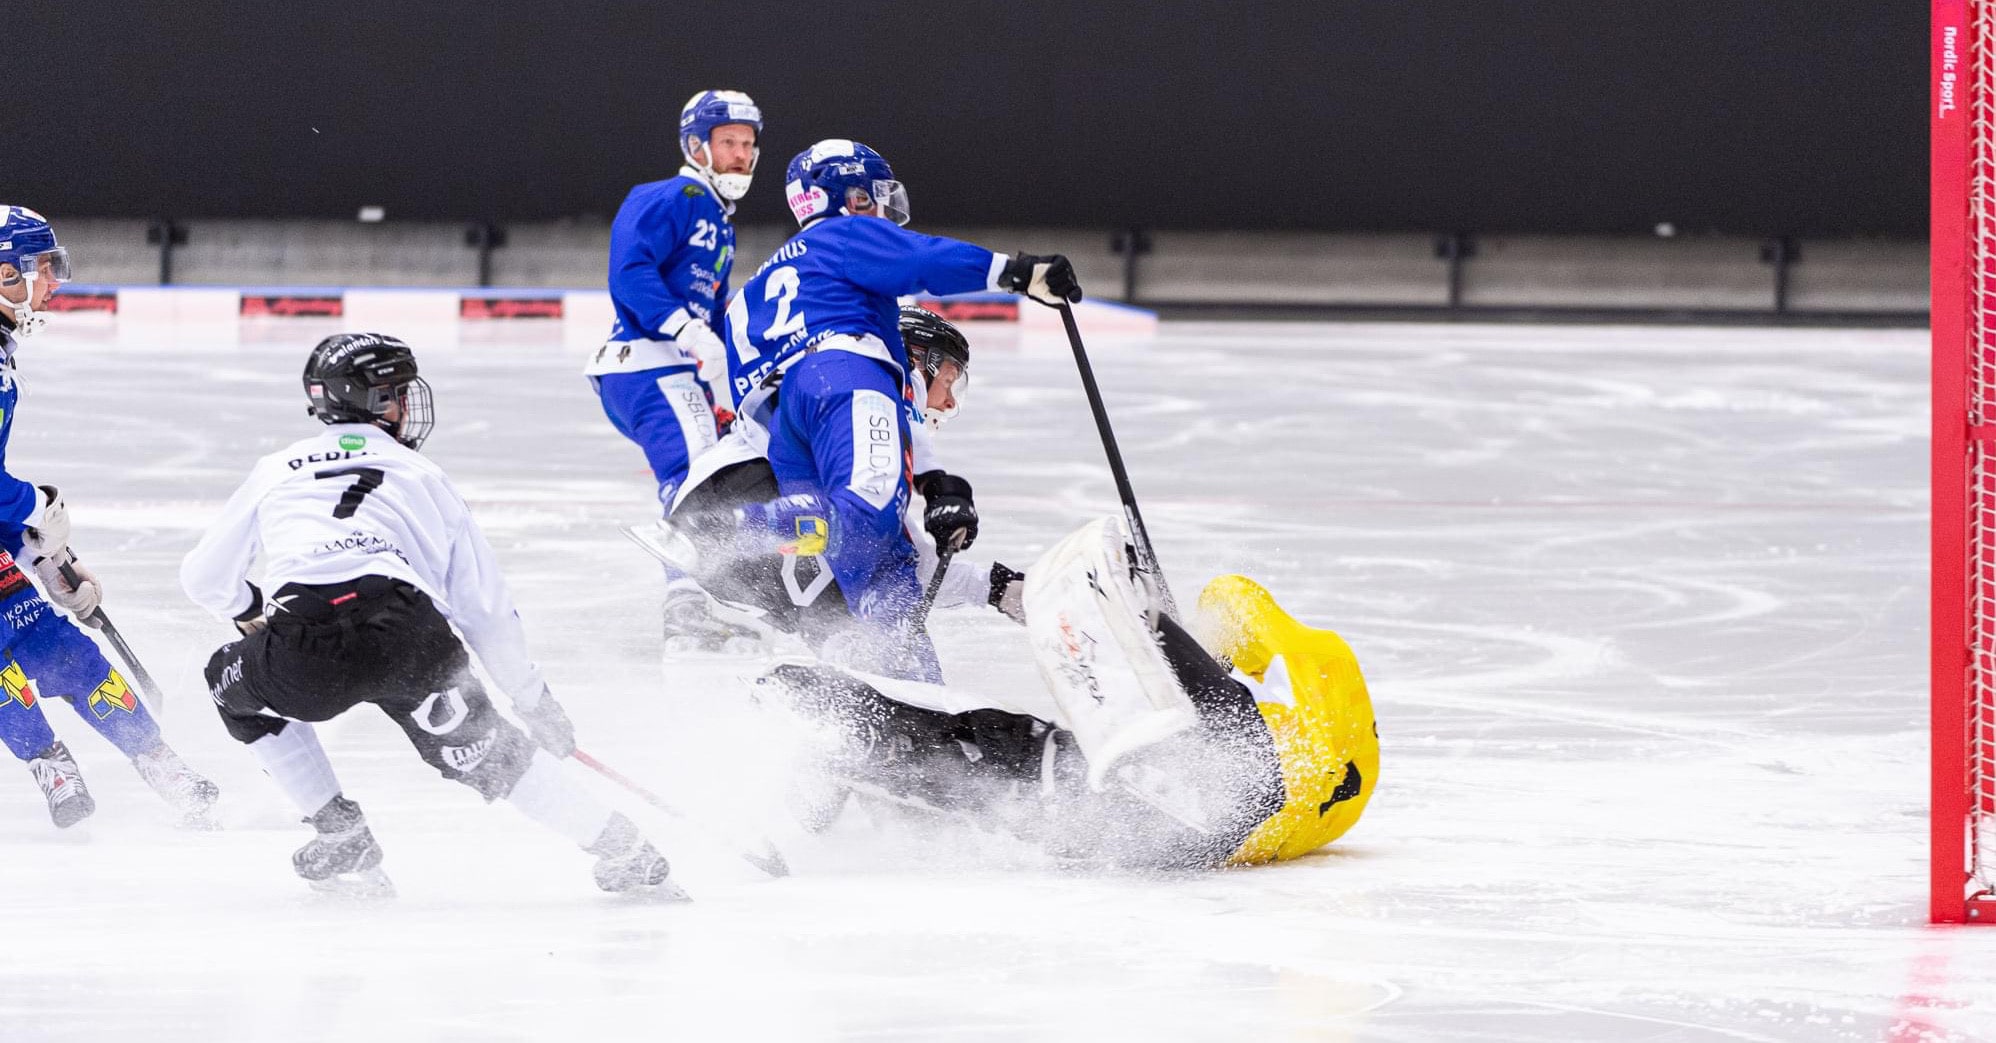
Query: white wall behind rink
point(436, 315)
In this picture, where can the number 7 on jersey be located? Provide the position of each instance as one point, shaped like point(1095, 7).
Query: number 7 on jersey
point(369, 479)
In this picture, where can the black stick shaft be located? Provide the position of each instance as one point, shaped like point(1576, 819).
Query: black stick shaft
point(148, 689)
point(765, 857)
point(944, 552)
point(1139, 535)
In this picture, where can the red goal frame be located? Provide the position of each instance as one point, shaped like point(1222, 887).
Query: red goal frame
point(1961, 112)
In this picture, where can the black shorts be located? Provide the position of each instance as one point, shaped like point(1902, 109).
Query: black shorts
point(331, 647)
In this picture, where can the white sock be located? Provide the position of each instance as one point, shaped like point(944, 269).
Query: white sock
point(294, 758)
point(553, 798)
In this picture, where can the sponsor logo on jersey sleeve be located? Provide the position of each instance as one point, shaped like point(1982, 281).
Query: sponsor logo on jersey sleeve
point(353, 442)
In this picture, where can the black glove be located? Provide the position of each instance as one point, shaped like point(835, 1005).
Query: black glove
point(1049, 280)
point(950, 514)
point(550, 725)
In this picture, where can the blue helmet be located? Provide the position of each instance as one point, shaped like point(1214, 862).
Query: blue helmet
point(28, 244)
point(836, 176)
point(705, 111)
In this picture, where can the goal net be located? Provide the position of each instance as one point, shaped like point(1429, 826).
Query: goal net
point(1963, 625)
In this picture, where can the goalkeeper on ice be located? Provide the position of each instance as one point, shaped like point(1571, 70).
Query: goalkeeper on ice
point(1158, 754)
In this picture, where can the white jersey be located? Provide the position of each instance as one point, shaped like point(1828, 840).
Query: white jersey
point(352, 502)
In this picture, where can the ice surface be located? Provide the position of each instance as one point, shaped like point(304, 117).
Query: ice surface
point(1642, 610)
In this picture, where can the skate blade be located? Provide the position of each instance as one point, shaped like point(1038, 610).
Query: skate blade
point(665, 892)
point(368, 884)
point(769, 860)
point(679, 650)
point(202, 821)
point(72, 812)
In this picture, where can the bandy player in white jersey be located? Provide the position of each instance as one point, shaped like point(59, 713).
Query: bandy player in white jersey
point(371, 557)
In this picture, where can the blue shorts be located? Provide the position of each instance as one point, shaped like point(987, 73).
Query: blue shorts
point(666, 411)
point(841, 432)
point(51, 658)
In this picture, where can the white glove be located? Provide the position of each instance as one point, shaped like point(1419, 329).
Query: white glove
point(80, 598)
point(50, 537)
point(699, 340)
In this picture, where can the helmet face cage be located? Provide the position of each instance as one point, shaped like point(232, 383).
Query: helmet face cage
point(887, 198)
point(419, 415)
point(959, 386)
point(52, 263)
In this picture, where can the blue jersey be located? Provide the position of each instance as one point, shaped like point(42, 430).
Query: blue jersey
point(20, 604)
point(18, 499)
point(670, 249)
point(843, 275)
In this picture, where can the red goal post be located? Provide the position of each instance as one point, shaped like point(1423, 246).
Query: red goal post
point(1962, 113)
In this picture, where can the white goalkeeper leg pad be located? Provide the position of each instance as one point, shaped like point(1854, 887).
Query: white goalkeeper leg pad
point(1087, 620)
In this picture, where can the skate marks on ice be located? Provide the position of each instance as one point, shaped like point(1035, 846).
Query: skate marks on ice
point(1640, 610)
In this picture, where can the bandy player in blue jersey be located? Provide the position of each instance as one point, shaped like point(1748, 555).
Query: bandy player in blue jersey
point(819, 361)
point(43, 655)
point(670, 250)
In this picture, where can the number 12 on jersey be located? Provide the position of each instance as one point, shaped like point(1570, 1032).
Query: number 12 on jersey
point(781, 287)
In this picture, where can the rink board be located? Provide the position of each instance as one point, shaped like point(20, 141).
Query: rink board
point(584, 315)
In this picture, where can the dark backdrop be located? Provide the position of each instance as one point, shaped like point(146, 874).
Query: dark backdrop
point(1749, 116)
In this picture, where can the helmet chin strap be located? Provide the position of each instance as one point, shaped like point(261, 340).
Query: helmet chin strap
point(728, 186)
point(26, 322)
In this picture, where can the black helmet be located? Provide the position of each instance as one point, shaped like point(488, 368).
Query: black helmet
point(933, 339)
point(359, 377)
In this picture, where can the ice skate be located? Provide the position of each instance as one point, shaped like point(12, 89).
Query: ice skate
point(344, 858)
point(184, 790)
point(626, 863)
point(698, 627)
point(61, 781)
